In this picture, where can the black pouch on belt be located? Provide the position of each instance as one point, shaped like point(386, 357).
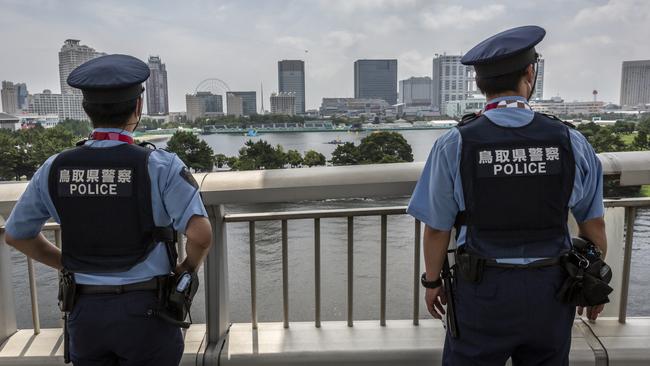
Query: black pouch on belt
point(470, 267)
point(67, 291)
point(177, 297)
point(588, 276)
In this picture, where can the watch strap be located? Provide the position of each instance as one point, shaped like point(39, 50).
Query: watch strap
point(430, 284)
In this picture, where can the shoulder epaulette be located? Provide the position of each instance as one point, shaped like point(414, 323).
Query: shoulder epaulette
point(551, 116)
point(467, 118)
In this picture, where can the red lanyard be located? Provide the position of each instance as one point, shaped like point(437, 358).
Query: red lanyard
point(96, 135)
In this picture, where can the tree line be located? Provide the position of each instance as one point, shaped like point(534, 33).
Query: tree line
point(377, 148)
point(23, 151)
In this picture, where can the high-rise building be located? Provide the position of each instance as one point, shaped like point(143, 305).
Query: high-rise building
point(291, 79)
point(376, 79)
point(451, 80)
point(249, 102)
point(234, 105)
point(352, 107)
point(66, 106)
point(203, 104)
point(9, 97)
point(415, 91)
point(538, 94)
point(73, 54)
point(283, 103)
point(635, 83)
point(22, 93)
point(156, 88)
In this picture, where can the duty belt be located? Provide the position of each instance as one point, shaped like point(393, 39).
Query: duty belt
point(150, 285)
point(536, 264)
point(471, 267)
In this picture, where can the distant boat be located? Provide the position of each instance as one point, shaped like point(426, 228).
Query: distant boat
point(336, 141)
point(251, 133)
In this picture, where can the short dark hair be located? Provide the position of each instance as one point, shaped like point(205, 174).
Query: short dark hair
point(501, 83)
point(110, 115)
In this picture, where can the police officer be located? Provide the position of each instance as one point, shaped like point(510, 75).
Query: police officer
point(118, 204)
point(507, 178)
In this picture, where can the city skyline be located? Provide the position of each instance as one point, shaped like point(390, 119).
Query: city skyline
point(586, 44)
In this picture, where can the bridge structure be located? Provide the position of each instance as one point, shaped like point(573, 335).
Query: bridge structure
point(614, 339)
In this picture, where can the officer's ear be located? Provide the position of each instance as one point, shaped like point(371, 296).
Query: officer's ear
point(138, 108)
point(530, 73)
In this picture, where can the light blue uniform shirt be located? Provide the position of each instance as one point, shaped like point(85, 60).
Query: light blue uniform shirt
point(438, 195)
point(173, 200)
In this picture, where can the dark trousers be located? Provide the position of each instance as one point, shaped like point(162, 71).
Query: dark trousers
point(511, 313)
point(121, 330)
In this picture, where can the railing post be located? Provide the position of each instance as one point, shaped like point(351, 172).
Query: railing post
point(7, 307)
point(630, 217)
point(216, 288)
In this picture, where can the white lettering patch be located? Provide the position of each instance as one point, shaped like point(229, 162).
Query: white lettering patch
point(95, 182)
point(518, 161)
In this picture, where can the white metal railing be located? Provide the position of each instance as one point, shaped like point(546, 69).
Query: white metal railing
point(294, 185)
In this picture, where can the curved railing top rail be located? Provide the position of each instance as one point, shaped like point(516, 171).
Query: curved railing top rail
point(382, 180)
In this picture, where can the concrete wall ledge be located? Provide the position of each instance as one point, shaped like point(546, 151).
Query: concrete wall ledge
point(398, 343)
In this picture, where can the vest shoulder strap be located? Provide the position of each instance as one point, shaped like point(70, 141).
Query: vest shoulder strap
point(554, 117)
point(467, 118)
point(147, 145)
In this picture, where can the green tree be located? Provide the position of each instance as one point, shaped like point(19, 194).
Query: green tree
point(76, 127)
point(52, 141)
point(294, 159)
point(195, 153)
point(314, 158)
point(644, 125)
point(640, 141)
point(385, 146)
point(607, 141)
point(220, 160)
point(9, 155)
point(623, 127)
point(260, 155)
point(346, 154)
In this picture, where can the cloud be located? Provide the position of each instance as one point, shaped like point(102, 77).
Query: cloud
point(298, 43)
point(459, 17)
point(342, 39)
point(354, 6)
point(632, 12)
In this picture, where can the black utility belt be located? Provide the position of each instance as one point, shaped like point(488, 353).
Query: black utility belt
point(150, 285)
point(471, 267)
point(537, 264)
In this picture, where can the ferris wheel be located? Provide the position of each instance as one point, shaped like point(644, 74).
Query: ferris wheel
point(213, 85)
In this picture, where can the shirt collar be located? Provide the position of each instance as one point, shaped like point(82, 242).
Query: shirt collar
point(508, 97)
point(115, 130)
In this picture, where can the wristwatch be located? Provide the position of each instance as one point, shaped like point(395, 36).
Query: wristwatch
point(430, 284)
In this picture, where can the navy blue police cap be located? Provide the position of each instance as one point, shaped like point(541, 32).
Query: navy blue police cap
point(506, 52)
point(110, 79)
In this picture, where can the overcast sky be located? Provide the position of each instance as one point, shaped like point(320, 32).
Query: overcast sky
point(241, 41)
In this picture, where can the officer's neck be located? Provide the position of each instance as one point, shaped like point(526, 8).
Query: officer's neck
point(131, 124)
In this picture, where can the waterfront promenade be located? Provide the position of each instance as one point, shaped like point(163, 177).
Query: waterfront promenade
point(615, 339)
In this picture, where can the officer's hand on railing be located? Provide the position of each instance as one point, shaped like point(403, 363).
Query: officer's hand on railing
point(435, 298)
point(592, 311)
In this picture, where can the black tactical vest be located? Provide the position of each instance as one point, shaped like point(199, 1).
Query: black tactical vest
point(517, 183)
point(103, 199)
